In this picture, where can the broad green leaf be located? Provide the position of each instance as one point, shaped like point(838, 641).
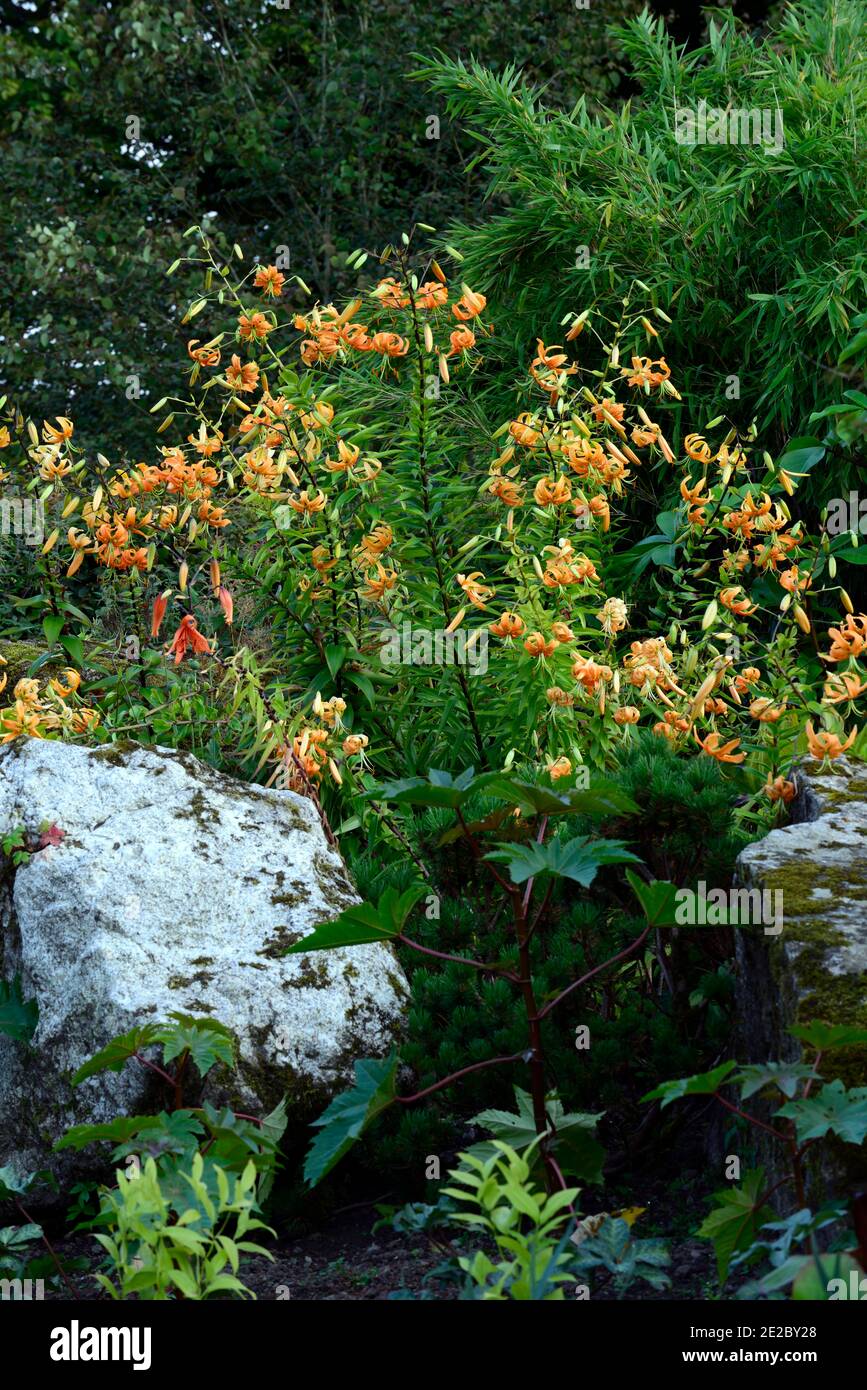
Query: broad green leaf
point(832, 1110)
point(574, 1142)
point(603, 798)
point(349, 1114)
point(115, 1055)
point(74, 647)
point(437, 789)
point(207, 1041)
point(52, 626)
point(737, 1219)
point(825, 1036)
point(813, 1278)
point(658, 899)
point(579, 859)
point(363, 922)
point(786, 1076)
point(702, 1084)
point(335, 657)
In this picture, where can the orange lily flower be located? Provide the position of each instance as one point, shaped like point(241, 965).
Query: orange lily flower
point(188, 638)
point(723, 752)
point(825, 744)
point(537, 645)
point(849, 639)
point(780, 789)
point(742, 606)
point(270, 281)
point(475, 591)
point(509, 625)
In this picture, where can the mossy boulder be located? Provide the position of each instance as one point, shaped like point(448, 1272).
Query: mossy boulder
point(816, 967)
point(174, 888)
point(19, 657)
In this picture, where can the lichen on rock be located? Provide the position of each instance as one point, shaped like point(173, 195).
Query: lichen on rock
point(174, 889)
point(816, 968)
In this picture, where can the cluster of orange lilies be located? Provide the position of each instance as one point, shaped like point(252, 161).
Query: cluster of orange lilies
point(567, 459)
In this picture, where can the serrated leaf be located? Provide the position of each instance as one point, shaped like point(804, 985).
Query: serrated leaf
point(702, 1084)
point(363, 922)
point(349, 1114)
point(579, 859)
point(832, 1110)
point(825, 1036)
point(207, 1041)
point(737, 1219)
point(115, 1055)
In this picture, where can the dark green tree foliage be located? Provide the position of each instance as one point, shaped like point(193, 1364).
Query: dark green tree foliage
point(640, 1028)
point(759, 257)
point(282, 125)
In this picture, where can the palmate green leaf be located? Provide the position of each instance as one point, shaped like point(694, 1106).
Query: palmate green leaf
point(363, 922)
point(14, 1184)
point(437, 789)
point(658, 899)
point(114, 1131)
point(825, 1036)
point(833, 1110)
point(18, 1016)
point(178, 1132)
point(115, 1055)
point(574, 1144)
point(579, 859)
point(206, 1040)
point(737, 1219)
point(702, 1084)
point(786, 1076)
point(349, 1114)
